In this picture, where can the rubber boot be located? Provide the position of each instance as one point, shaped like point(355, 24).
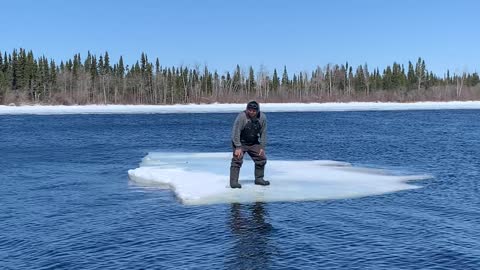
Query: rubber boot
point(259, 173)
point(262, 182)
point(234, 174)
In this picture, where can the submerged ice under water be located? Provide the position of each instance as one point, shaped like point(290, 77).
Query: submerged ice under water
point(202, 178)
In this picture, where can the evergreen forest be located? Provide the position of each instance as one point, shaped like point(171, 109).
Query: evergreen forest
point(96, 79)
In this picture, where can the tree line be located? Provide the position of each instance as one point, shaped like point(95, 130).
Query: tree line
point(25, 79)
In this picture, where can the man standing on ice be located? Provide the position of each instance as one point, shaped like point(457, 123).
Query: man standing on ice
point(249, 134)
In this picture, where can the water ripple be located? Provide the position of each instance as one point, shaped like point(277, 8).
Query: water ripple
point(66, 203)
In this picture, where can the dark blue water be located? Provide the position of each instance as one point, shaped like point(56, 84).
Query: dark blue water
point(66, 201)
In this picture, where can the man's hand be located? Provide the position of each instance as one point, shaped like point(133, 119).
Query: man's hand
point(238, 153)
point(261, 152)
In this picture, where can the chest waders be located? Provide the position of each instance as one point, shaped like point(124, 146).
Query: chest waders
point(249, 138)
point(251, 132)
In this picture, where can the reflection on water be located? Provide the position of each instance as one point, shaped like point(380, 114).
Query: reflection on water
point(252, 248)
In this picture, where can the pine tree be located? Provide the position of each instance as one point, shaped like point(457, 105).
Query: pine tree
point(387, 78)
point(345, 79)
point(251, 80)
point(203, 80)
point(300, 82)
point(340, 78)
point(53, 74)
point(157, 66)
point(237, 77)
point(379, 80)
point(15, 68)
point(5, 60)
point(209, 84)
point(411, 78)
point(403, 81)
point(76, 65)
point(106, 64)
point(396, 80)
point(374, 80)
point(32, 77)
point(144, 62)
point(429, 80)
point(275, 80)
point(30, 74)
point(120, 69)
point(40, 78)
point(285, 81)
point(69, 65)
point(169, 93)
point(88, 63)
point(366, 76)
point(472, 79)
point(360, 84)
point(101, 65)
point(350, 79)
point(93, 68)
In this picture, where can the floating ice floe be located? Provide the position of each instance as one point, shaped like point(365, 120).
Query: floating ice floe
point(203, 178)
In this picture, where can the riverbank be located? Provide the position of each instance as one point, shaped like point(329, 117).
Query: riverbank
point(228, 108)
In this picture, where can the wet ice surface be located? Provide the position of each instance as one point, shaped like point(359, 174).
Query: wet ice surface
point(202, 178)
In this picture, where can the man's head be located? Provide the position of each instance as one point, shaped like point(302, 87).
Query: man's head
point(253, 108)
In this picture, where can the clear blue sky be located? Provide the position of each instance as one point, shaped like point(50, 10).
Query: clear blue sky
point(298, 34)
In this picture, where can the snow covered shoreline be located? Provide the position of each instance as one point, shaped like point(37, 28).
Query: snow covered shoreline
point(229, 108)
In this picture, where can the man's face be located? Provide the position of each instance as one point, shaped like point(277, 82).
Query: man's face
point(251, 112)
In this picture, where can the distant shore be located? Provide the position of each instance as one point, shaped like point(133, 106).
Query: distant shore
point(229, 108)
